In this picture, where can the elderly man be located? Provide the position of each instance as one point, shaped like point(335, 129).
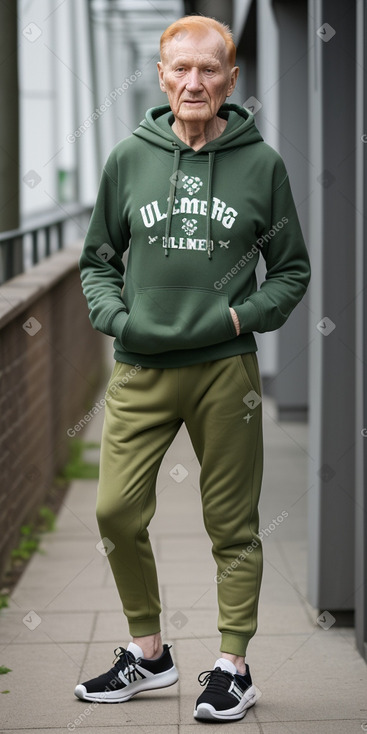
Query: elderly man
point(196, 194)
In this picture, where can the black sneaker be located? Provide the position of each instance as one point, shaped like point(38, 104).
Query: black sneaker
point(130, 674)
point(227, 695)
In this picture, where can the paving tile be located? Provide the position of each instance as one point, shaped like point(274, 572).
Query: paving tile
point(218, 728)
point(184, 546)
point(82, 495)
point(184, 571)
point(194, 595)
point(286, 618)
point(69, 627)
point(42, 679)
point(190, 624)
point(332, 726)
point(190, 725)
point(77, 521)
point(177, 510)
point(299, 677)
point(72, 597)
point(83, 721)
point(191, 658)
point(187, 704)
point(181, 572)
point(282, 609)
point(157, 710)
point(111, 627)
point(62, 563)
point(293, 559)
point(58, 549)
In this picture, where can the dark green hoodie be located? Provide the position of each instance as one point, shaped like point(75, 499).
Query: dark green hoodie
point(196, 222)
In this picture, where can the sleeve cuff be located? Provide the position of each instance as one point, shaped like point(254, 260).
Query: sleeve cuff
point(118, 324)
point(249, 316)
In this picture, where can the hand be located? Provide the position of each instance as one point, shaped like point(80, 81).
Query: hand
point(235, 321)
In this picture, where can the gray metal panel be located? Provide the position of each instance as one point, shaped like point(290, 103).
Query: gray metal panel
point(361, 335)
point(222, 10)
point(241, 9)
point(290, 384)
point(9, 121)
point(332, 296)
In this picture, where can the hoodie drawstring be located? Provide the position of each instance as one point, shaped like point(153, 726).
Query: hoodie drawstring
point(171, 201)
point(209, 244)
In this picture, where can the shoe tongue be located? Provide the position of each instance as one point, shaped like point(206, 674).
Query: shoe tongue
point(225, 664)
point(135, 649)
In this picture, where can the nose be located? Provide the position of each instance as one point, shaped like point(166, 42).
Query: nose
point(193, 83)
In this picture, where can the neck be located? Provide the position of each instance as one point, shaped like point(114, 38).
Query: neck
point(197, 133)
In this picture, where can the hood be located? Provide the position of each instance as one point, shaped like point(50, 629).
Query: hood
point(240, 129)
point(156, 129)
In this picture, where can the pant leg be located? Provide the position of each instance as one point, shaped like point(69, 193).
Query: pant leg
point(227, 437)
point(140, 424)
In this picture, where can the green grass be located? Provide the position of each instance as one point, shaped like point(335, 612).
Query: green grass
point(3, 671)
point(77, 468)
point(31, 536)
point(31, 533)
point(26, 548)
point(47, 520)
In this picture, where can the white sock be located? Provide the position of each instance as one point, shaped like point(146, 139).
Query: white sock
point(225, 664)
point(135, 649)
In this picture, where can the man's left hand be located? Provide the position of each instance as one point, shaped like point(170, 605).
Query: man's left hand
point(235, 321)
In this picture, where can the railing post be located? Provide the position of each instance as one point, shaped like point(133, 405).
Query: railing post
point(59, 229)
point(48, 241)
point(35, 257)
point(9, 128)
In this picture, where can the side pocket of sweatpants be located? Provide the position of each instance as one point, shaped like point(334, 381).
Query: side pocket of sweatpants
point(249, 368)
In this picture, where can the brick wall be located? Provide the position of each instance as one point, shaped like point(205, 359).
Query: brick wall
point(51, 362)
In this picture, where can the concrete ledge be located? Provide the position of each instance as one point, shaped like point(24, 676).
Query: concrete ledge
point(20, 292)
point(51, 363)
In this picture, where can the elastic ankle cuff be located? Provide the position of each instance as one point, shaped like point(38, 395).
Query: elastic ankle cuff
point(234, 644)
point(144, 626)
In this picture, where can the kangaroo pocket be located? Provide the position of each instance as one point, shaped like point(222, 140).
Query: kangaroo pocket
point(170, 318)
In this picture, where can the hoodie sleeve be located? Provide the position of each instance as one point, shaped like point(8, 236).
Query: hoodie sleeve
point(101, 265)
point(287, 263)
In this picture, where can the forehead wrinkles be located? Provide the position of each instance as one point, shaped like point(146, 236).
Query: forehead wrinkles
point(191, 46)
point(196, 59)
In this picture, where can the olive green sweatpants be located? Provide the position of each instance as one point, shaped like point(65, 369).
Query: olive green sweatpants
point(220, 404)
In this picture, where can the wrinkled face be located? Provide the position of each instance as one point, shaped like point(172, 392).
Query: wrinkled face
point(196, 75)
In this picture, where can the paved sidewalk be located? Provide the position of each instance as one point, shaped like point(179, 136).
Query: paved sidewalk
point(311, 679)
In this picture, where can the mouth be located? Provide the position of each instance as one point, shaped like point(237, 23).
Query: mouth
point(194, 101)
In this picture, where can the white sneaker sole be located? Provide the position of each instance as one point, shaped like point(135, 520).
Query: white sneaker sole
point(160, 680)
point(207, 712)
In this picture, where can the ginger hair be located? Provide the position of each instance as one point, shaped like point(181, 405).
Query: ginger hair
point(200, 24)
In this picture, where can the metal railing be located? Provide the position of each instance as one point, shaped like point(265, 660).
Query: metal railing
point(15, 257)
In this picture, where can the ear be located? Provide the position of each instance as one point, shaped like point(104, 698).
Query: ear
point(234, 76)
point(161, 74)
